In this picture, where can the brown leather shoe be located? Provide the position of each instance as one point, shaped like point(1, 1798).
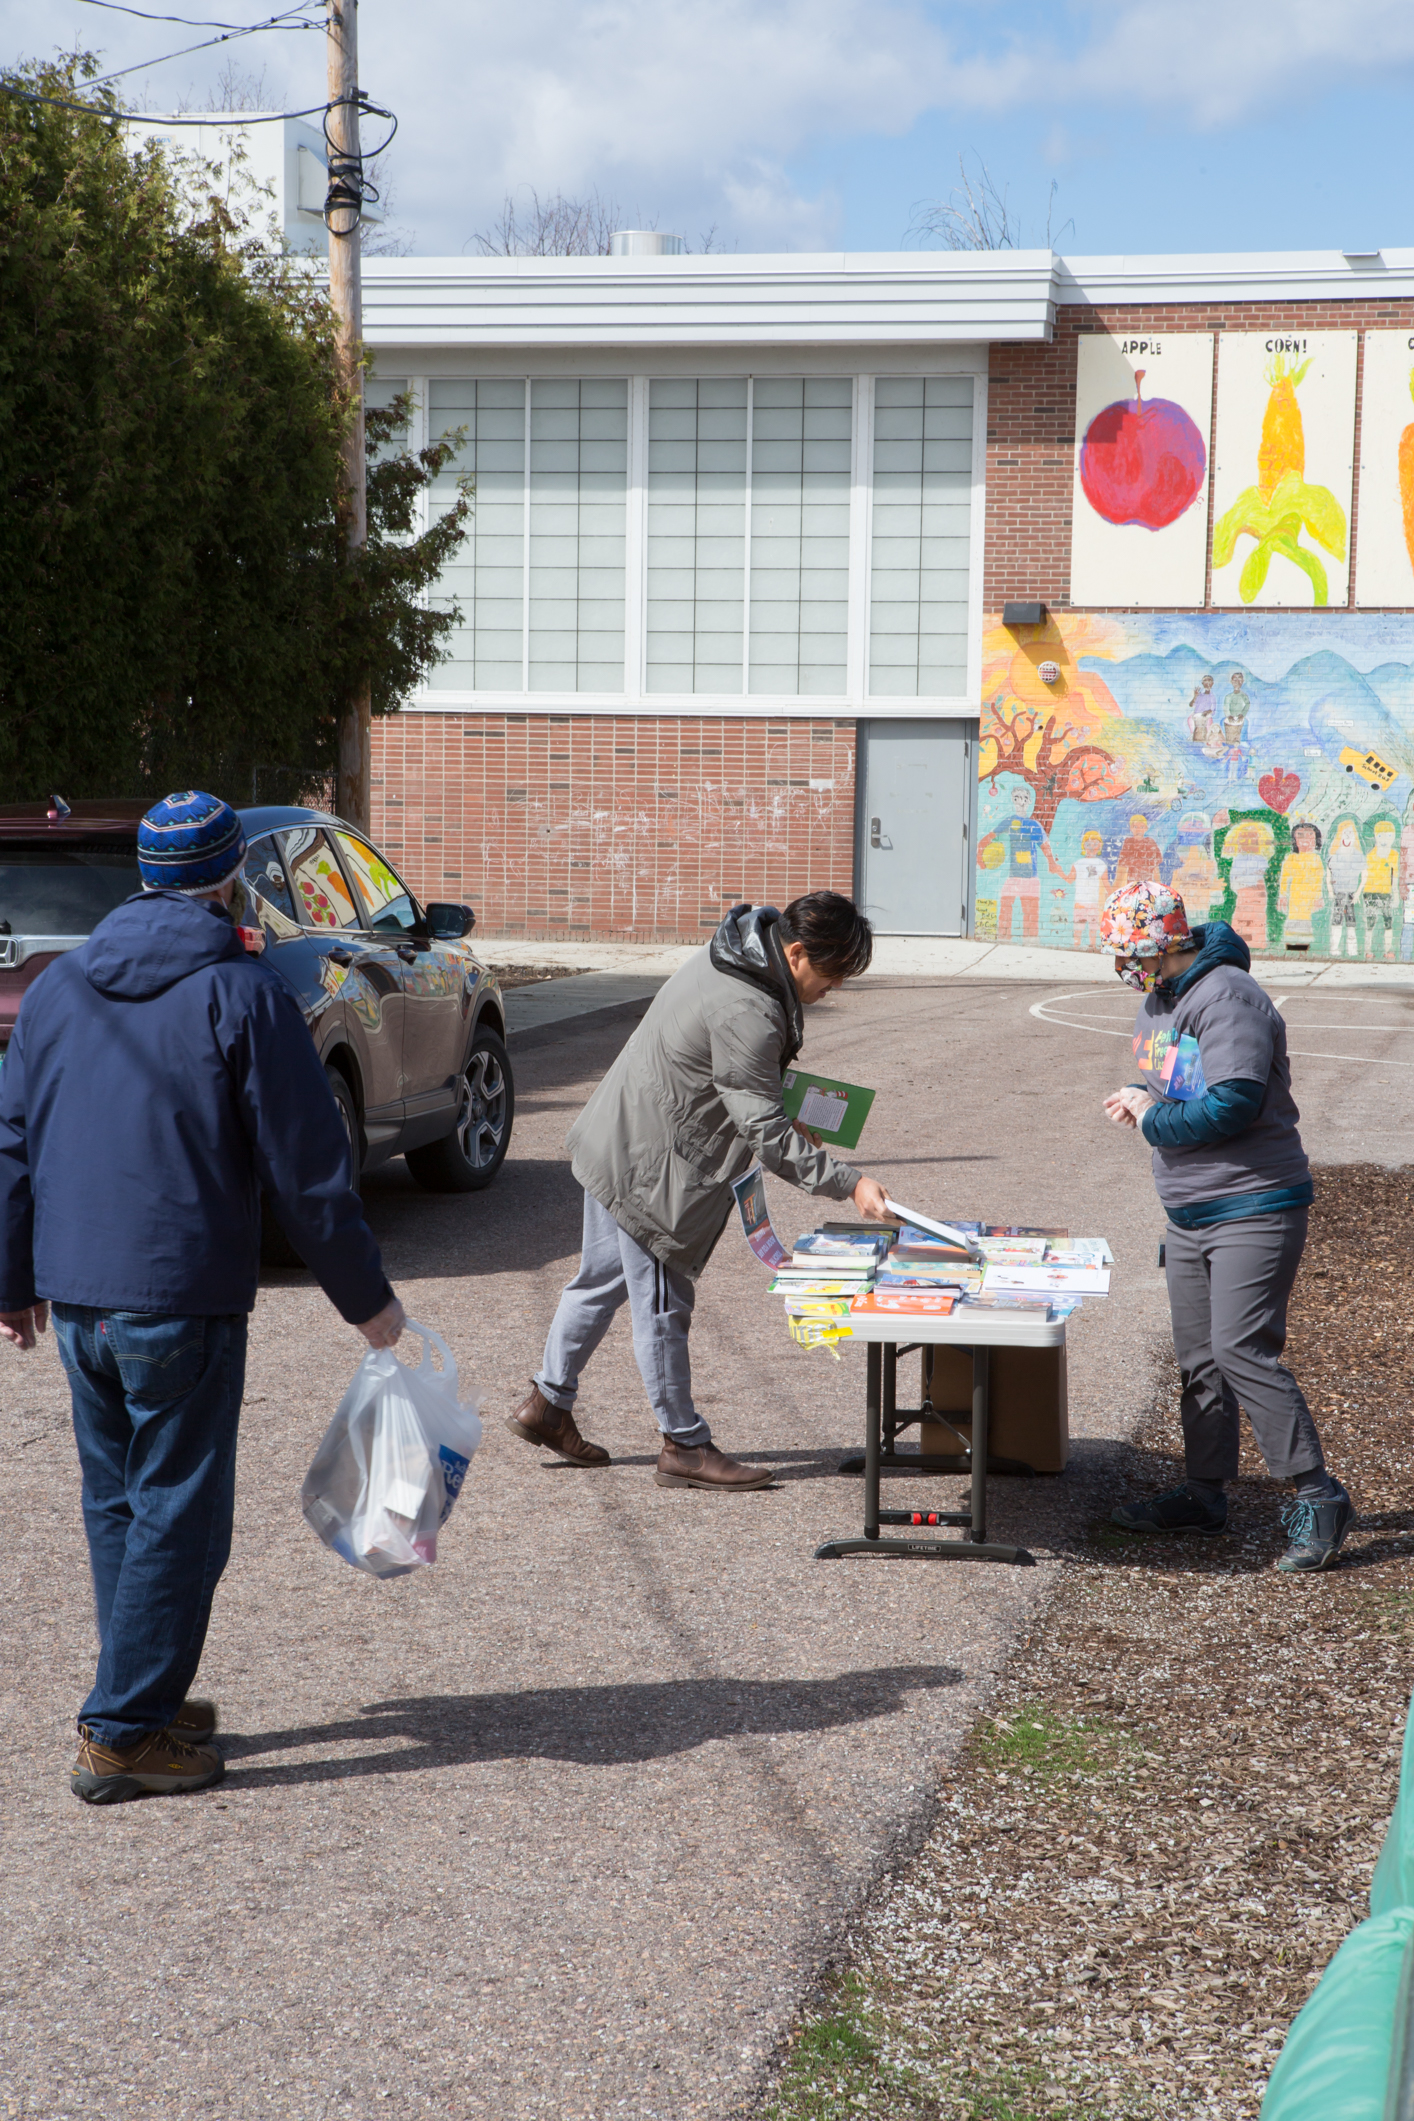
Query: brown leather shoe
point(536, 1421)
point(159, 1765)
point(702, 1465)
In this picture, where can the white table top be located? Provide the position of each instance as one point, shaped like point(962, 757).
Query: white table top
point(963, 1327)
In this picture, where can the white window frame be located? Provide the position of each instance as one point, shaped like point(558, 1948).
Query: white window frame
point(864, 365)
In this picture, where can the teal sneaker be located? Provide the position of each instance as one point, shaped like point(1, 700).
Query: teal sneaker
point(1176, 1511)
point(1316, 1531)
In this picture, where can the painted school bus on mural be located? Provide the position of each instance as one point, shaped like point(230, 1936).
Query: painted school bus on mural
point(1261, 763)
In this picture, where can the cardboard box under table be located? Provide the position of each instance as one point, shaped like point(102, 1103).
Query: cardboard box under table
point(1019, 1346)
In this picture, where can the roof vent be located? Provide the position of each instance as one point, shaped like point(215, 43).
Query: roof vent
point(644, 243)
point(1363, 257)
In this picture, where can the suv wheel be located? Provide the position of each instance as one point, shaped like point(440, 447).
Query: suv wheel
point(470, 1156)
point(275, 1247)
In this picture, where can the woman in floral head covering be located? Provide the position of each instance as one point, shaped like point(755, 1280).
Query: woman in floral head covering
point(1215, 1105)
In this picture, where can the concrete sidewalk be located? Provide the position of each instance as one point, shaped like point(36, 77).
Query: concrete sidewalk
point(928, 957)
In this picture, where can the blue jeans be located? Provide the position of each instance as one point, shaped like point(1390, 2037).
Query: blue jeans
point(156, 1401)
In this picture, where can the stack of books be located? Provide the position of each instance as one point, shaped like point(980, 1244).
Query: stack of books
point(828, 1270)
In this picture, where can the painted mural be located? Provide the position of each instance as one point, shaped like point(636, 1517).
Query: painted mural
point(1143, 407)
point(1263, 765)
point(1283, 468)
point(1384, 571)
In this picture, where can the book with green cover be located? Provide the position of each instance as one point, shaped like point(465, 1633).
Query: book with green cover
point(834, 1111)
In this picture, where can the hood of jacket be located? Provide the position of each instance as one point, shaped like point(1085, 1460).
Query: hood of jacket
point(150, 942)
point(748, 946)
point(1217, 945)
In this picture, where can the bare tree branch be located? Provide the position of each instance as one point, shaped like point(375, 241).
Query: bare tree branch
point(977, 216)
point(553, 227)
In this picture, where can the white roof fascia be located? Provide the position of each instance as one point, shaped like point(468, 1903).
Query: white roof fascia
point(857, 298)
point(1234, 276)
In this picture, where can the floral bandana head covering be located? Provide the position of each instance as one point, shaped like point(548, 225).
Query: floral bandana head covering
point(1139, 923)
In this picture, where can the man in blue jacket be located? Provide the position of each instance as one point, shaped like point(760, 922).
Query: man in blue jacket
point(157, 1079)
point(1215, 1106)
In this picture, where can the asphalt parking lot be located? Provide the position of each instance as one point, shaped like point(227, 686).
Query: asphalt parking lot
point(562, 1826)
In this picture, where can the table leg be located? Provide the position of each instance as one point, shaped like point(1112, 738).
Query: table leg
point(981, 1391)
point(872, 1415)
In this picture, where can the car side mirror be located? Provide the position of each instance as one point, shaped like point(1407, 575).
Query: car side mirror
point(448, 923)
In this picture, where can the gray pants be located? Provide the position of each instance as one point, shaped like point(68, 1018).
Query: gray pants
point(614, 1269)
point(1228, 1291)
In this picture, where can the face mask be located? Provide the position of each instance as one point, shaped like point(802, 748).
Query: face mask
point(1140, 973)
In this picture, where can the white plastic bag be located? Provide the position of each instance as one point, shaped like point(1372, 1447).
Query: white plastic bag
point(392, 1461)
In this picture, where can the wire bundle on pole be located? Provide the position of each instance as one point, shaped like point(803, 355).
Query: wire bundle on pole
point(350, 189)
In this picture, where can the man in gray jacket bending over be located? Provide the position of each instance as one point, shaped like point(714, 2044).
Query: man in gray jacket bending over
point(692, 1102)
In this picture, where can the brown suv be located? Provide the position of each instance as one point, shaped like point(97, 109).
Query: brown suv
point(411, 1029)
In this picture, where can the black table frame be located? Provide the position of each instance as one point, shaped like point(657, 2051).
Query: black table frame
point(883, 1419)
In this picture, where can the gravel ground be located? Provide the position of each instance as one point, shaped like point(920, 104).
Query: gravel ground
point(1155, 1840)
point(567, 1825)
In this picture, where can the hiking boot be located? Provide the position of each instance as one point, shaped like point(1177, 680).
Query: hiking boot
point(1174, 1511)
point(158, 1765)
point(536, 1421)
point(194, 1722)
point(1316, 1530)
point(702, 1465)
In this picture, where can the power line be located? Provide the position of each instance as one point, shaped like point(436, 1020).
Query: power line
point(228, 37)
point(211, 117)
point(143, 14)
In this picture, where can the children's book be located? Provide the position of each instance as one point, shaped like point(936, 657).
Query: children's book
point(834, 1111)
point(933, 1227)
point(750, 1192)
point(904, 1303)
point(860, 1248)
point(802, 1285)
point(1038, 1279)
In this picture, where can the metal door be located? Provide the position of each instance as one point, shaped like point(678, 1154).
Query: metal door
point(916, 783)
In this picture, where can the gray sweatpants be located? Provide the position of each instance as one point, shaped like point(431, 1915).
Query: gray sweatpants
point(1228, 1291)
point(614, 1269)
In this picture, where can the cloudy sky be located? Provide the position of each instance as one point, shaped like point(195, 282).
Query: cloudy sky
point(813, 124)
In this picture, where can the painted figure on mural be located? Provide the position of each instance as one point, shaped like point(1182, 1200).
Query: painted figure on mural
point(1195, 873)
point(1381, 883)
point(1250, 846)
point(1090, 874)
point(1139, 857)
point(1237, 705)
point(1023, 841)
point(1200, 710)
point(1406, 933)
point(1301, 887)
point(1345, 866)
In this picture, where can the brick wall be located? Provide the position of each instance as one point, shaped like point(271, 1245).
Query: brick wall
point(1031, 425)
point(636, 828)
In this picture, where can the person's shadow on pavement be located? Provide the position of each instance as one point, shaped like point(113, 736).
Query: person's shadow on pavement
point(592, 1726)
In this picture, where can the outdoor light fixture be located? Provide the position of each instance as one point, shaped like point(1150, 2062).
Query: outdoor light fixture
point(1049, 673)
point(1023, 614)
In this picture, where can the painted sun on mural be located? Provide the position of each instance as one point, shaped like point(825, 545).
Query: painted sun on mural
point(1259, 765)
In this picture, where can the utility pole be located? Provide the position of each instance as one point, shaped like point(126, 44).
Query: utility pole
point(342, 213)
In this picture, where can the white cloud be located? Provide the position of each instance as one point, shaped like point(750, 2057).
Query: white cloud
point(692, 111)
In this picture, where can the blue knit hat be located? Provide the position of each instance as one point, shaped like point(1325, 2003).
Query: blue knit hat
point(190, 843)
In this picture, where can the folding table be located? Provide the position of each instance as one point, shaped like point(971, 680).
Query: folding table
point(968, 1326)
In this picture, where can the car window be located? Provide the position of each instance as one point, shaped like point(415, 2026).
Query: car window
point(320, 891)
point(388, 905)
point(265, 898)
point(67, 890)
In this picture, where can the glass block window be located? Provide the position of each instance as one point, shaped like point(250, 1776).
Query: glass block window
point(487, 575)
point(378, 394)
point(696, 535)
point(800, 470)
point(919, 547)
point(578, 498)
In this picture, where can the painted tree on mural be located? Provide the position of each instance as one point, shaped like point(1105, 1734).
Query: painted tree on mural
point(1085, 773)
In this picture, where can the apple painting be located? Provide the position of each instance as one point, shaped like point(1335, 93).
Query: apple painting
point(1142, 462)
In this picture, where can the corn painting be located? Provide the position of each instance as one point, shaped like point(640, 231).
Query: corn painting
point(1406, 479)
point(1281, 505)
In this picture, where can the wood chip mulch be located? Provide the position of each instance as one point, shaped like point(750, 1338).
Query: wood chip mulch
point(1167, 1824)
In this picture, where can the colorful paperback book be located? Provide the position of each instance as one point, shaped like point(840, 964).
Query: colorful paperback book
point(1013, 1249)
point(904, 1303)
point(983, 1302)
point(783, 1286)
point(1042, 1279)
point(862, 1248)
point(750, 1193)
point(835, 1111)
point(932, 1226)
point(1021, 1230)
point(921, 1244)
point(818, 1306)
